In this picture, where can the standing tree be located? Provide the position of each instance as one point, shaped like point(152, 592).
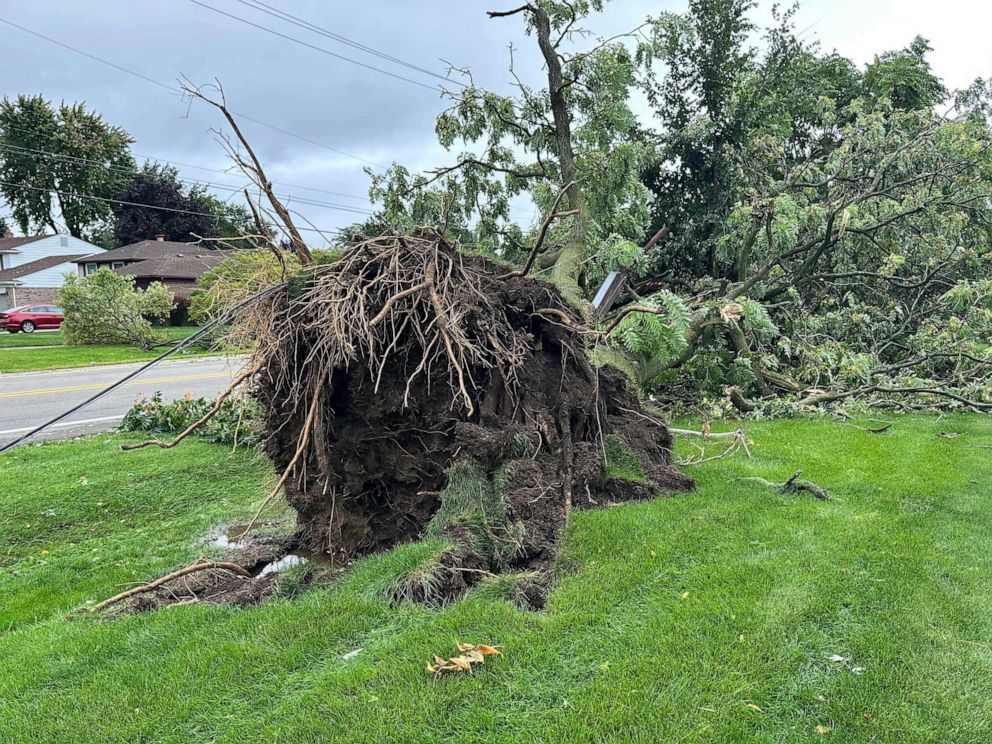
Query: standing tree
point(578, 133)
point(56, 164)
point(154, 202)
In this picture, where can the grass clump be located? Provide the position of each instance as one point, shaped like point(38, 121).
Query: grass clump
point(622, 462)
point(472, 505)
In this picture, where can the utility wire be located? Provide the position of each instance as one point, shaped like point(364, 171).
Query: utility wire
point(173, 89)
point(197, 167)
point(300, 22)
point(221, 187)
point(316, 48)
point(223, 318)
point(73, 195)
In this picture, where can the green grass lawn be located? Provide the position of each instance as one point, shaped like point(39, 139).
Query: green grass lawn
point(19, 352)
point(710, 616)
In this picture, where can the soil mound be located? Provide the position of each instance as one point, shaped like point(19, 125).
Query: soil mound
point(413, 390)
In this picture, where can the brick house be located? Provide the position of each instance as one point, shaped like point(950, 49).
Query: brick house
point(32, 268)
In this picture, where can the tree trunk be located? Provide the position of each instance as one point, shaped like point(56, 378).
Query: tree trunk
point(567, 270)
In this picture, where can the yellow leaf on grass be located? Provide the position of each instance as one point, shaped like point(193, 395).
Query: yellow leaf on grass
point(465, 646)
point(755, 708)
point(823, 730)
point(461, 663)
point(488, 650)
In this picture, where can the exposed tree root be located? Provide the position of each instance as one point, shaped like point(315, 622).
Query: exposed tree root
point(201, 565)
point(793, 485)
point(410, 389)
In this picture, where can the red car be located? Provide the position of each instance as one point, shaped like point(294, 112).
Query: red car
point(31, 318)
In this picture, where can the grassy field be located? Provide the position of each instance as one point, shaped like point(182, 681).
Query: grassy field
point(19, 352)
point(731, 614)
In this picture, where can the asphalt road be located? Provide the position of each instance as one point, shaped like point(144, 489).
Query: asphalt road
point(31, 398)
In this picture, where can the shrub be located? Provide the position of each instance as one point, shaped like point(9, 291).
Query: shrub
point(106, 308)
point(234, 422)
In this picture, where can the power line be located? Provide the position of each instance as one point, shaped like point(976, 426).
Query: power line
point(224, 317)
point(202, 168)
point(300, 22)
point(190, 181)
point(314, 46)
point(172, 89)
point(73, 195)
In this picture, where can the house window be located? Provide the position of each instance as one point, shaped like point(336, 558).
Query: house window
point(89, 269)
point(117, 264)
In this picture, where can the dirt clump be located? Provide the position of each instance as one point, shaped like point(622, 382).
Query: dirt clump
point(410, 389)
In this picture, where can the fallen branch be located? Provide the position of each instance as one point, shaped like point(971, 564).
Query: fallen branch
point(792, 485)
point(194, 426)
point(740, 435)
point(552, 215)
point(192, 568)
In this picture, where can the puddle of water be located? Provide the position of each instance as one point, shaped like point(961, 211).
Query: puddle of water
point(281, 564)
point(227, 539)
point(292, 558)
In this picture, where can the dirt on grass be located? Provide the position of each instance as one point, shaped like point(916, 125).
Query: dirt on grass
point(410, 389)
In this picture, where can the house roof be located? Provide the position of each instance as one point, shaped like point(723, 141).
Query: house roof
point(32, 267)
point(10, 245)
point(173, 266)
point(146, 249)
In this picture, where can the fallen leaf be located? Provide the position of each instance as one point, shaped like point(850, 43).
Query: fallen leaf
point(461, 663)
point(755, 708)
point(837, 657)
point(352, 654)
point(822, 730)
point(685, 595)
point(471, 654)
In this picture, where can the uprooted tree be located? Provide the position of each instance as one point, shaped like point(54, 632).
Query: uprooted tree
point(410, 387)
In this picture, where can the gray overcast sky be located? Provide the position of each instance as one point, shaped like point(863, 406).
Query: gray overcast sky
point(359, 111)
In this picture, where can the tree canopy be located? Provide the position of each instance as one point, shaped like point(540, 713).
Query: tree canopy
point(828, 224)
point(59, 164)
point(155, 202)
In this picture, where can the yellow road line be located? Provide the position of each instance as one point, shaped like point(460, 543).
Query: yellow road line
point(98, 386)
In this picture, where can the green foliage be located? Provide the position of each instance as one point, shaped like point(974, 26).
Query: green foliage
point(88, 157)
point(650, 335)
point(506, 146)
point(234, 422)
point(244, 273)
point(106, 308)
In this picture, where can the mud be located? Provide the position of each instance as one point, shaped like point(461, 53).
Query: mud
point(263, 556)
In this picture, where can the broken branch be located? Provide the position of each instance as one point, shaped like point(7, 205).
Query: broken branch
point(192, 568)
